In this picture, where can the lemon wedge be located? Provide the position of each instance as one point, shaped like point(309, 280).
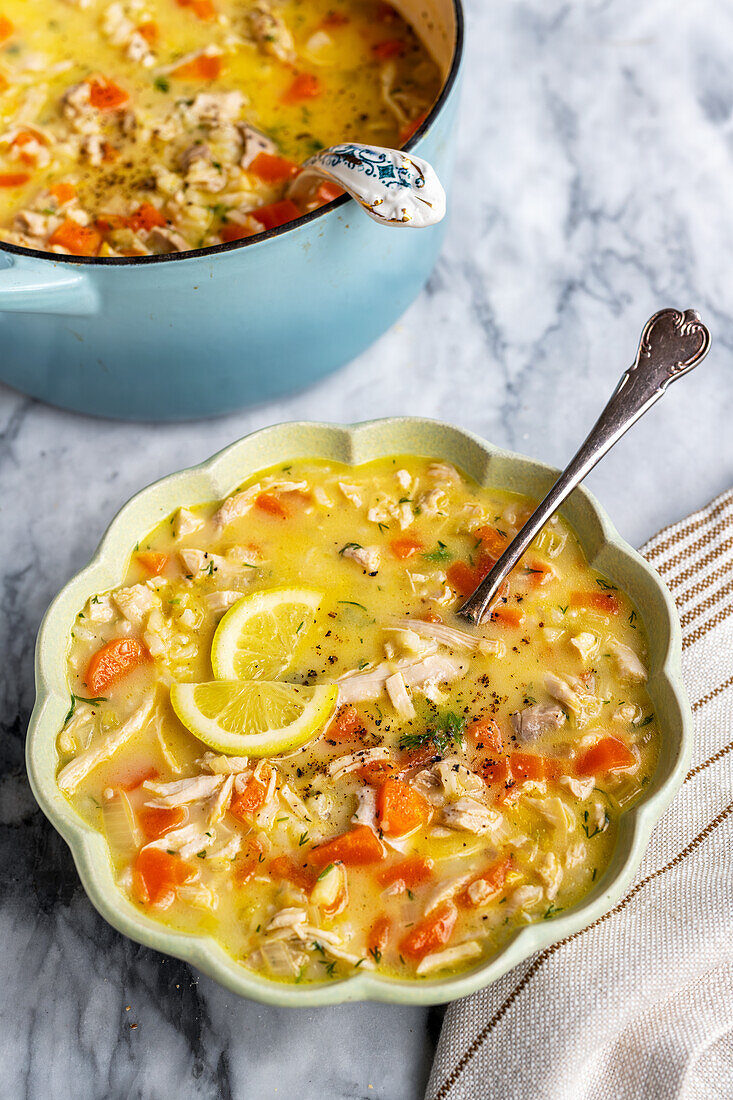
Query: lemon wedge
point(257, 637)
point(254, 717)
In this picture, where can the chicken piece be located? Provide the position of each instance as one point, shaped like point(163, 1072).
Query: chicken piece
point(586, 644)
point(534, 721)
point(524, 898)
point(553, 810)
point(218, 602)
point(581, 788)
point(471, 816)
point(397, 692)
point(163, 240)
point(458, 780)
point(237, 505)
point(366, 810)
point(352, 493)
point(271, 33)
point(135, 603)
point(368, 557)
point(211, 110)
point(77, 769)
point(435, 669)
point(182, 791)
point(186, 523)
point(450, 957)
point(448, 636)
point(224, 765)
point(629, 665)
point(551, 872)
point(254, 143)
point(342, 765)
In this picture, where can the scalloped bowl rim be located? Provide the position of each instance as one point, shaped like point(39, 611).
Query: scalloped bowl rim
point(357, 443)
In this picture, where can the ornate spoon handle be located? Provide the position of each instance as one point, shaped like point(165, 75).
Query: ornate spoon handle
point(391, 186)
point(671, 344)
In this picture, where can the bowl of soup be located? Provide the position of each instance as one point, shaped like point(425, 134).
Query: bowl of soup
point(152, 263)
point(276, 750)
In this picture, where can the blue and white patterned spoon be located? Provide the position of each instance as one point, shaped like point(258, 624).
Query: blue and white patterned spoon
point(393, 187)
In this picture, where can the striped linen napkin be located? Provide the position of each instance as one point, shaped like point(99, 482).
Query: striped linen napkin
point(639, 1006)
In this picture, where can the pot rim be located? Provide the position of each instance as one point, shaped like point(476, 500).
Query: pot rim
point(279, 231)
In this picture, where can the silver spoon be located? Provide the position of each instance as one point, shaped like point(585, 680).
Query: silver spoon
point(671, 344)
point(393, 187)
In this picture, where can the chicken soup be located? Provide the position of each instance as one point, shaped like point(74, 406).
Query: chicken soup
point(292, 743)
point(157, 126)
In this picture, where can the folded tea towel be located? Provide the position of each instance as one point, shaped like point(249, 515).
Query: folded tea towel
point(639, 1006)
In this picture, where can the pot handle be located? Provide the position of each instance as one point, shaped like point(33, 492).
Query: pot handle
point(28, 285)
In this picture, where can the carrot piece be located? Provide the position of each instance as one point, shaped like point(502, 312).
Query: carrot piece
point(376, 771)
point(266, 502)
point(461, 577)
point(605, 602)
point(204, 67)
point(305, 86)
point(80, 240)
point(109, 153)
point(507, 616)
point(400, 808)
point(6, 28)
point(539, 573)
point(62, 192)
point(411, 127)
point(156, 821)
point(276, 213)
point(132, 778)
point(249, 801)
point(485, 733)
point(14, 179)
point(152, 561)
point(112, 662)
point(203, 9)
point(105, 95)
point(335, 19)
point(235, 232)
point(494, 878)
point(378, 937)
point(491, 540)
point(405, 546)
point(273, 169)
point(327, 192)
point(4, 83)
point(299, 874)
point(389, 48)
point(495, 771)
point(354, 849)
point(607, 754)
point(149, 31)
point(432, 932)
point(416, 758)
point(156, 875)
point(527, 765)
point(247, 861)
point(345, 725)
point(145, 218)
point(414, 870)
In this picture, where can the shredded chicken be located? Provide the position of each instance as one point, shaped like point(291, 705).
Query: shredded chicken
point(629, 665)
point(450, 957)
point(360, 687)
point(399, 698)
point(534, 721)
point(77, 769)
point(471, 816)
point(368, 557)
point(448, 636)
point(342, 765)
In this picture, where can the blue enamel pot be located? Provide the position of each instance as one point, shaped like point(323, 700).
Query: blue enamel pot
point(205, 332)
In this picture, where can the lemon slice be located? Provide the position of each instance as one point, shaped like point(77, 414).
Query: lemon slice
point(257, 637)
point(253, 717)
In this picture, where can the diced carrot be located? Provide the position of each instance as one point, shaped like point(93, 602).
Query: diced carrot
point(113, 662)
point(233, 231)
point(203, 9)
point(205, 66)
point(305, 86)
point(277, 213)
point(273, 169)
point(400, 808)
point(417, 758)
point(412, 127)
point(247, 861)
point(28, 137)
point(156, 821)
point(345, 725)
point(507, 616)
point(145, 218)
point(109, 152)
point(129, 779)
point(376, 771)
point(539, 572)
point(63, 192)
point(249, 801)
point(495, 770)
point(493, 541)
point(494, 878)
point(432, 932)
point(414, 870)
point(604, 602)
point(105, 95)
point(299, 874)
point(485, 733)
point(6, 28)
point(152, 561)
point(530, 765)
point(389, 48)
point(149, 31)
point(80, 240)
point(327, 192)
point(156, 875)
point(378, 937)
point(335, 19)
point(431, 617)
point(354, 849)
point(14, 179)
point(4, 83)
point(607, 754)
point(266, 502)
point(405, 546)
point(461, 577)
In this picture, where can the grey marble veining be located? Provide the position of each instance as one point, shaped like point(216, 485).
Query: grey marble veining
point(594, 185)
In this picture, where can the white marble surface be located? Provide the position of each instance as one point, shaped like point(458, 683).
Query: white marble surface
point(595, 186)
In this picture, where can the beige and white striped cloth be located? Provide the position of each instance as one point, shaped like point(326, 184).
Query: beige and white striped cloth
point(640, 1005)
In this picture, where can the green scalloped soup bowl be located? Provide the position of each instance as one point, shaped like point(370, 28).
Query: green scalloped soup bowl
point(488, 465)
